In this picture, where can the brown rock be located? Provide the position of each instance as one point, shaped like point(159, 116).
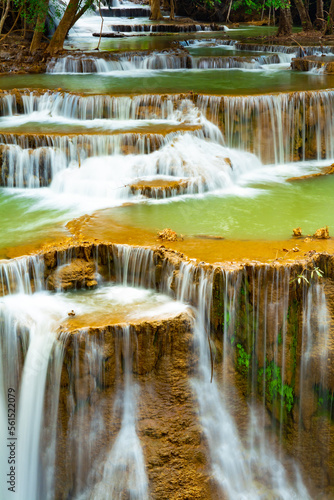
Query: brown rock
point(169, 235)
point(322, 233)
point(78, 274)
point(297, 231)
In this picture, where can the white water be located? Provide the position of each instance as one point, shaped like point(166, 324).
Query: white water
point(29, 324)
point(104, 179)
point(245, 468)
point(245, 465)
point(90, 64)
point(124, 467)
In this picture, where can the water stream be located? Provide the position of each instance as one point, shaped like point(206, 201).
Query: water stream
point(203, 136)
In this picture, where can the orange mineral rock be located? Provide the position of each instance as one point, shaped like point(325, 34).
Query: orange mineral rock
point(322, 233)
point(297, 231)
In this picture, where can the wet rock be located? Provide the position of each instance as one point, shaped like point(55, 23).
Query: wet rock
point(326, 171)
point(163, 355)
point(169, 235)
point(323, 65)
point(77, 274)
point(297, 231)
point(322, 233)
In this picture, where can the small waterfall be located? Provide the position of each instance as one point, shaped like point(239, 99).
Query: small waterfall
point(115, 466)
point(23, 275)
point(243, 466)
point(30, 168)
point(296, 51)
point(36, 166)
point(233, 62)
point(315, 343)
point(7, 104)
point(90, 64)
point(99, 106)
point(192, 163)
point(134, 266)
point(297, 126)
point(159, 28)
point(124, 466)
point(28, 322)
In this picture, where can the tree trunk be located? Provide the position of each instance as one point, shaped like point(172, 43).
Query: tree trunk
point(59, 36)
point(39, 28)
point(81, 13)
point(155, 11)
point(319, 23)
point(229, 12)
point(172, 10)
point(329, 25)
point(285, 22)
point(4, 16)
point(304, 16)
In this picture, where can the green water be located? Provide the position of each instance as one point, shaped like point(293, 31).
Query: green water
point(211, 81)
point(270, 215)
point(222, 50)
point(266, 211)
point(23, 223)
point(147, 41)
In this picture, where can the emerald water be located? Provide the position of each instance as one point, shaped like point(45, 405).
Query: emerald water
point(156, 137)
point(24, 221)
point(200, 136)
point(261, 211)
point(208, 81)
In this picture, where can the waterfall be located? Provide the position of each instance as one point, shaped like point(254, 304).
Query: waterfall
point(246, 335)
point(28, 322)
point(90, 64)
point(36, 166)
point(276, 128)
point(297, 126)
point(99, 106)
point(124, 466)
point(238, 463)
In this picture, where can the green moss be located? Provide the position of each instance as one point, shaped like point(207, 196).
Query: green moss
point(292, 329)
point(243, 359)
point(325, 401)
point(280, 338)
point(275, 389)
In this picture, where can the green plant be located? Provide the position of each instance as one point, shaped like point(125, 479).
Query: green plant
point(275, 389)
point(243, 358)
point(303, 277)
point(325, 400)
point(279, 337)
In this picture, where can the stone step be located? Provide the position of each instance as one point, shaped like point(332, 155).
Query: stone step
point(125, 12)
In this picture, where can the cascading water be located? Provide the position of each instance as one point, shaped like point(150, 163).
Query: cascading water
point(124, 467)
point(75, 358)
point(90, 64)
point(243, 467)
point(254, 308)
point(195, 157)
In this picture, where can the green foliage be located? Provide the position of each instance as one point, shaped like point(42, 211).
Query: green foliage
point(243, 358)
point(279, 337)
point(275, 389)
point(209, 4)
point(255, 5)
point(31, 9)
point(302, 277)
point(325, 400)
